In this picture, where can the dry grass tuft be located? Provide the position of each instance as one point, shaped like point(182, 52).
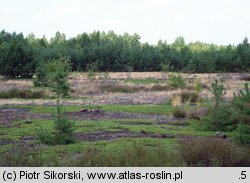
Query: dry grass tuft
point(176, 100)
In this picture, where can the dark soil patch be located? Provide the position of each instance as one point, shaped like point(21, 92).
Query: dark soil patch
point(6, 142)
point(27, 138)
point(9, 115)
point(113, 135)
point(135, 123)
point(110, 135)
point(23, 140)
point(170, 120)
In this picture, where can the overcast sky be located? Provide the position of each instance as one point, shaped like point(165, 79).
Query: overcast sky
point(212, 21)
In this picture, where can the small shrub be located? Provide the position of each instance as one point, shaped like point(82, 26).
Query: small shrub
point(55, 75)
point(241, 102)
point(41, 75)
point(45, 136)
point(242, 134)
point(218, 92)
point(63, 129)
point(222, 118)
point(91, 74)
point(198, 87)
point(208, 152)
point(58, 71)
point(179, 112)
point(92, 68)
point(176, 81)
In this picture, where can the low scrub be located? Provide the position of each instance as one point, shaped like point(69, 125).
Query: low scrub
point(208, 152)
point(222, 118)
point(62, 132)
point(242, 134)
point(218, 91)
point(241, 102)
point(179, 112)
point(22, 94)
point(54, 74)
point(134, 156)
point(196, 152)
point(23, 158)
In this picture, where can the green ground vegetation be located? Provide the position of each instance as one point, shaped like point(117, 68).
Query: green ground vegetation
point(143, 81)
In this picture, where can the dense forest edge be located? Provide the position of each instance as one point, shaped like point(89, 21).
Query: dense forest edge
point(109, 52)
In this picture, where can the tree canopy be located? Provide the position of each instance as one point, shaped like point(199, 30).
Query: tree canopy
point(19, 55)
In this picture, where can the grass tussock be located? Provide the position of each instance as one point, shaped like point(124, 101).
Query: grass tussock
point(189, 96)
point(179, 112)
point(176, 100)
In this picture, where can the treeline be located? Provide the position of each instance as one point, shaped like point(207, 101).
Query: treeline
point(100, 51)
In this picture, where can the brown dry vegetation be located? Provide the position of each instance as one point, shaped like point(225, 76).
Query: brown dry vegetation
point(112, 90)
